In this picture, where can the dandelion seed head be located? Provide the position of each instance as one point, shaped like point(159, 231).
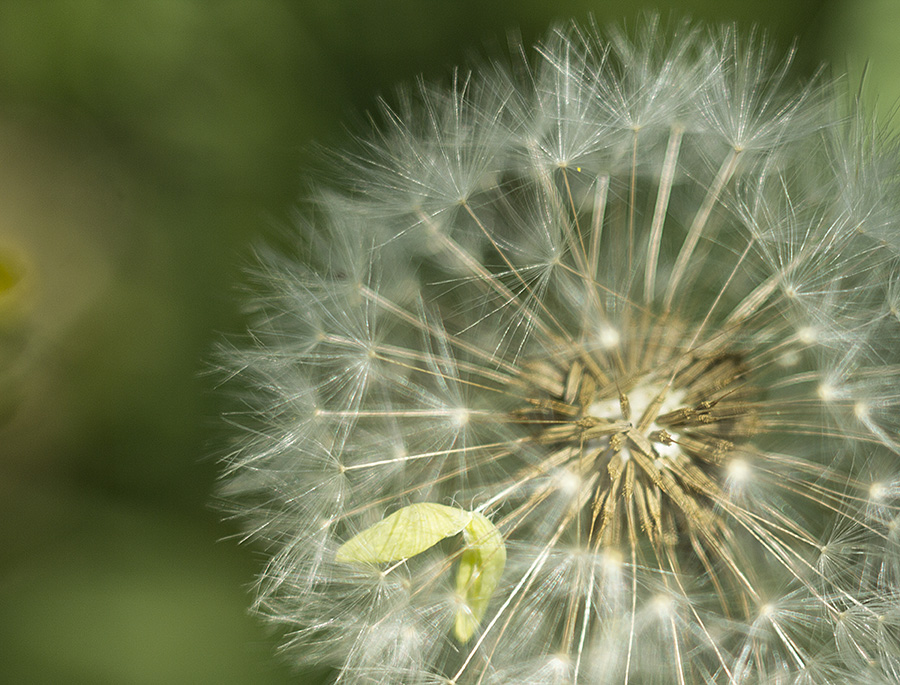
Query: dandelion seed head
point(630, 303)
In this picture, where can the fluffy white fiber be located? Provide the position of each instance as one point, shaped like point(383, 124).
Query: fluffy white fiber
point(634, 299)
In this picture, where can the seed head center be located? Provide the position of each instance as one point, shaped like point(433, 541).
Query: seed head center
point(645, 456)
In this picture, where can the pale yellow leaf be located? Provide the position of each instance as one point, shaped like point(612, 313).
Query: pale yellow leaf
point(480, 569)
point(405, 533)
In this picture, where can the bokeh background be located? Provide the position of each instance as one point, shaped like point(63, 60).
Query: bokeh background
point(145, 147)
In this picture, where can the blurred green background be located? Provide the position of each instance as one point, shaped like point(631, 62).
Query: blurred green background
point(144, 147)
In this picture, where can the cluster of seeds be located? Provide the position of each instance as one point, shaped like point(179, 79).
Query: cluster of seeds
point(610, 338)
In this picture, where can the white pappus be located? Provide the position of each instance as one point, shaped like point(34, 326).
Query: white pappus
point(631, 303)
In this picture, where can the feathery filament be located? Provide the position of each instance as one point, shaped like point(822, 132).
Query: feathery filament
point(634, 304)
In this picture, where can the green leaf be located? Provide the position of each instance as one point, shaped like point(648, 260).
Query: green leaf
point(405, 533)
point(413, 529)
point(479, 573)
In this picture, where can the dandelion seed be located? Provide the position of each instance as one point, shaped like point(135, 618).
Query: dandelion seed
point(628, 309)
